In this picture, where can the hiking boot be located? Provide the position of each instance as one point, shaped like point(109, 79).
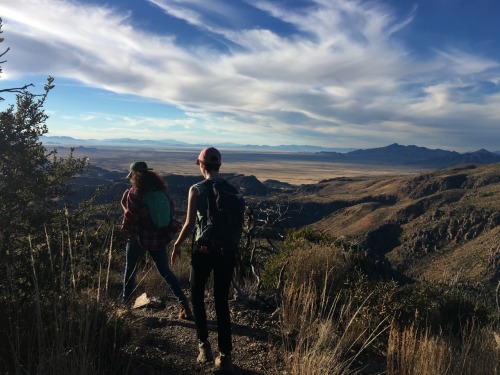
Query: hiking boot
point(205, 353)
point(185, 311)
point(224, 364)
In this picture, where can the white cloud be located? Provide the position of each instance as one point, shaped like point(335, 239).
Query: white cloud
point(175, 9)
point(344, 70)
point(463, 63)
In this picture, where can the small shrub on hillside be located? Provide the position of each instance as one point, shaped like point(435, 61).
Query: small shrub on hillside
point(436, 306)
point(273, 269)
point(326, 266)
point(309, 235)
point(307, 253)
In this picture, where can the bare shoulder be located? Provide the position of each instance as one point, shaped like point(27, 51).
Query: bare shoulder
point(194, 191)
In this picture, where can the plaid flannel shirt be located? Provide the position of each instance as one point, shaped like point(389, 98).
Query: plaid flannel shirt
point(136, 219)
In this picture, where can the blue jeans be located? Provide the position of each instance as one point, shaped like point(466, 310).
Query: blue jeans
point(134, 253)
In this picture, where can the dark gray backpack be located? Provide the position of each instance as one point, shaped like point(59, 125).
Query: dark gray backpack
point(225, 214)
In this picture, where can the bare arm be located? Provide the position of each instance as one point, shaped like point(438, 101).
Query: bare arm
point(124, 200)
point(188, 224)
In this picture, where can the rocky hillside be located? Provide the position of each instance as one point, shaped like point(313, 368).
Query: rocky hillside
point(443, 225)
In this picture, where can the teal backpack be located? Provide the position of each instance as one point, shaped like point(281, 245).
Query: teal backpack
point(158, 204)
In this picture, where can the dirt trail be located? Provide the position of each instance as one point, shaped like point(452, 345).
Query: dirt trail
point(163, 344)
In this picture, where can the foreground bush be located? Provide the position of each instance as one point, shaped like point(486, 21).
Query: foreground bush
point(332, 315)
point(324, 336)
point(54, 264)
point(54, 317)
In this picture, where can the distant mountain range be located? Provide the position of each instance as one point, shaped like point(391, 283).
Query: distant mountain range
point(394, 154)
point(129, 142)
point(413, 155)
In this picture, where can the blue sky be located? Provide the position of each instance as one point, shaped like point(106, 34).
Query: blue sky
point(334, 73)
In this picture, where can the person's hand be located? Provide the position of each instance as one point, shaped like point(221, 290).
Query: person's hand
point(176, 253)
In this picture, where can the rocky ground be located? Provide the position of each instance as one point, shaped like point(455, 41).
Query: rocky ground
point(163, 344)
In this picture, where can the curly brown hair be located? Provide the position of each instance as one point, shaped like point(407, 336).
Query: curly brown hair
point(148, 181)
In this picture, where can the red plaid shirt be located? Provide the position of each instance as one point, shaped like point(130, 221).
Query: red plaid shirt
point(136, 224)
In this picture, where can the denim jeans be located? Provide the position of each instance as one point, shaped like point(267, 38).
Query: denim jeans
point(222, 265)
point(134, 253)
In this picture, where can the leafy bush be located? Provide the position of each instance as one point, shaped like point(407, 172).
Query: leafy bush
point(33, 180)
point(54, 272)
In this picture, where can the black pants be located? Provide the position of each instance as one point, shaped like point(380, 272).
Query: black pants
point(221, 262)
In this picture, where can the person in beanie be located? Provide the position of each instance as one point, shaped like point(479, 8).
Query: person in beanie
point(203, 262)
point(142, 237)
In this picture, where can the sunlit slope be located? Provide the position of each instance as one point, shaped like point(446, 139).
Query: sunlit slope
point(430, 226)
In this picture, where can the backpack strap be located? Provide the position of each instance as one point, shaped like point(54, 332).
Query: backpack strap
point(208, 184)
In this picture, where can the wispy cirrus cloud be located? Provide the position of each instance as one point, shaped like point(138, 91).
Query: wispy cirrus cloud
point(325, 69)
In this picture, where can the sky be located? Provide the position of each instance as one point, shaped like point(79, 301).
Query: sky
point(332, 73)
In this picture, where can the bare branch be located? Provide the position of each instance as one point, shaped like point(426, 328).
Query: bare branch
point(17, 89)
point(3, 53)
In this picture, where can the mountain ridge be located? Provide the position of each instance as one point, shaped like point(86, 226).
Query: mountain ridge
point(414, 155)
point(130, 142)
point(393, 154)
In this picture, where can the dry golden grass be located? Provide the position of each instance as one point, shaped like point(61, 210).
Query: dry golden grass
point(326, 325)
point(65, 326)
point(421, 353)
point(320, 265)
point(322, 332)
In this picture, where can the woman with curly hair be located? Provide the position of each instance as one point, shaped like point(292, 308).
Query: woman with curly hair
point(142, 236)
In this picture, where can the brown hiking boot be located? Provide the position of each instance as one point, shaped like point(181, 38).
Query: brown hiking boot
point(205, 353)
point(224, 364)
point(185, 311)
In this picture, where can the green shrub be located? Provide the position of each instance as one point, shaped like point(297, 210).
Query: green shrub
point(302, 245)
point(54, 314)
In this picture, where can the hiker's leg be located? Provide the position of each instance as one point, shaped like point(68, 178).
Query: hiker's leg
point(200, 270)
point(160, 258)
point(133, 254)
point(223, 274)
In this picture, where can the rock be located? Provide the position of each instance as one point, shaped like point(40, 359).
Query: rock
point(145, 301)
point(141, 301)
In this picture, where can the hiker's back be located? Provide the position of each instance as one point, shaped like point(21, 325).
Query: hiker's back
point(220, 213)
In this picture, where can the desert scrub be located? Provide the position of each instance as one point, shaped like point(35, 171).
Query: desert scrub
point(55, 317)
point(73, 334)
point(438, 307)
point(309, 235)
point(323, 333)
point(307, 253)
point(418, 351)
